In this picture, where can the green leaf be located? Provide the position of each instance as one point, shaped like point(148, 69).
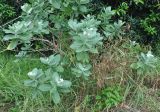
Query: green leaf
point(56, 3)
point(83, 56)
point(59, 69)
point(98, 97)
point(52, 60)
point(82, 70)
point(8, 37)
point(31, 1)
point(12, 45)
point(83, 8)
point(8, 31)
point(94, 50)
point(85, 35)
point(35, 73)
point(55, 96)
point(30, 83)
point(107, 13)
point(73, 24)
point(74, 8)
point(65, 90)
point(44, 87)
point(64, 84)
point(35, 93)
point(84, 1)
point(27, 8)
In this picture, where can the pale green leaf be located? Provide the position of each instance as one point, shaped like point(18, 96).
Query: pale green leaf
point(55, 96)
point(13, 44)
point(44, 87)
point(56, 3)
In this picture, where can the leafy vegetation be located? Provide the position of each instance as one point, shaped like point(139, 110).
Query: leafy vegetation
point(82, 55)
point(109, 97)
point(6, 12)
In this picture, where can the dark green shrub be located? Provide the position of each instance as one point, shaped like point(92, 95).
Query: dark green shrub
point(109, 97)
point(143, 17)
point(6, 12)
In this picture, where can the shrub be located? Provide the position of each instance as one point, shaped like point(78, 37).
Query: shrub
point(6, 12)
point(109, 97)
point(46, 21)
point(144, 25)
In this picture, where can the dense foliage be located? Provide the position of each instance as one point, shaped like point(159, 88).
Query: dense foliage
point(84, 42)
point(145, 23)
point(37, 20)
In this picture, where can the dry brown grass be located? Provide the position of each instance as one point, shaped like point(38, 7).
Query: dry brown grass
point(110, 68)
point(113, 66)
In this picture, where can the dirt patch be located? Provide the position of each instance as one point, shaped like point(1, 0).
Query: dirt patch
point(6, 107)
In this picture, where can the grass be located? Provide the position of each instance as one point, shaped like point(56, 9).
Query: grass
point(15, 97)
point(12, 75)
point(110, 69)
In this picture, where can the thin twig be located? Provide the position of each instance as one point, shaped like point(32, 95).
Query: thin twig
point(9, 22)
point(41, 50)
point(44, 40)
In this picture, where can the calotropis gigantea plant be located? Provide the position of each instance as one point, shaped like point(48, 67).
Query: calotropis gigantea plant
point(85, 35)
point(85, 40)
point(22, 32)
point(111, 29)
point(35, 19)
point(82, 70)
point(146, 64)
point(49, 80)
point(52, 17)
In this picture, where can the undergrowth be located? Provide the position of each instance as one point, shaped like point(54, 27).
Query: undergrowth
point(77, 56)
point(113, 69)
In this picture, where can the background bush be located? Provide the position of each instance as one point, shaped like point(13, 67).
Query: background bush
point(6, 12)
